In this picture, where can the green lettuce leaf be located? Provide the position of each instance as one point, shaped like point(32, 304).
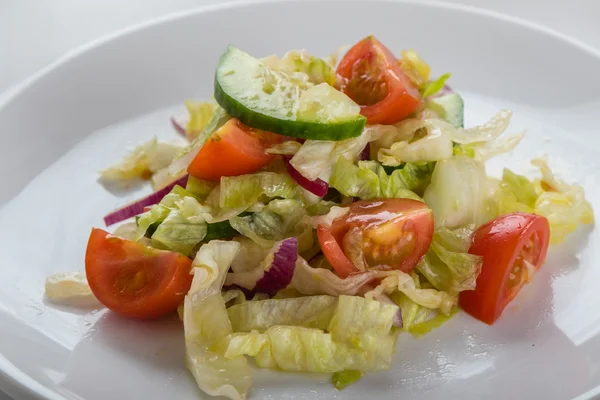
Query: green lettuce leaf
point(199, 188)
point(278, 220)
point(200, 113)
point(447, 265)
point(205, 323)
point(369, 180)
point(142, 162)
point(458, 192)
point(522, 187)
point(297, 62)
point(185, 225)
point(352, 343)
point(310, 312)
point(343, 379)
point(563, 204)
point(422, 328)
point(241, 192)
point(317, 158)
point(431, 88)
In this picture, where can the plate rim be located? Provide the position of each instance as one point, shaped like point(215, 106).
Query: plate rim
point(15, 382)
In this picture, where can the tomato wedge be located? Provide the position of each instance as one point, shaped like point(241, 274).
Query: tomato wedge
point(511, 245)
point(381, 234)
point(234, 149)
point(372, 77)
point(135, 280)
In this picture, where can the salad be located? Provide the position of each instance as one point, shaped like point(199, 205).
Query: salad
point(319, 210)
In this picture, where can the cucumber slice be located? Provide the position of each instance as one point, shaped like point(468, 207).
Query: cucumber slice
point(270, 100)
point(450, 108)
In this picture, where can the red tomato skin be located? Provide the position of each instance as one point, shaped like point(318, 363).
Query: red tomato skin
point(234, 149)
point(418, 221)
point(500, 242)
point(403, 97)
point(167, 277)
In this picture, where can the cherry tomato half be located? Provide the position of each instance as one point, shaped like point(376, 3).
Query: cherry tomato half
point(382, 234)
point(372, 77)
point(135, 280)
point(507, 244)
point(234, 149)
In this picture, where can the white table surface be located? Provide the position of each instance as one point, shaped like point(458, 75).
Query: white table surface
point(35, 33)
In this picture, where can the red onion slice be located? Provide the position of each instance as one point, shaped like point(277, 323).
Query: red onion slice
point(365, 155)
point(179, 125)
point(279, 273)
point(273, 274)
point(445, 90)
point(317, 187)
point(137, 207)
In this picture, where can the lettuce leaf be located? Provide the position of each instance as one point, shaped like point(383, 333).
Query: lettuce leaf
point(70, 288)
point(200, 114)
point(205, 323)
point(369, 180)
point(317, 158)
point(431, 88)
point(297, 63)
point(359, 338)
point(241, 192)
point(523, 188)
point(278, 220)
point(142, 162)
point(435, 145)
point(447, 265)
point(185, 225)
point(199, 188)
point(179, 233)
point(458, 192)
point(310, 312)
point(415, 67)
point(343, 379)
point(564, 205)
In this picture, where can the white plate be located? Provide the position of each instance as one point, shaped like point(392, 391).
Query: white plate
point(79, 115)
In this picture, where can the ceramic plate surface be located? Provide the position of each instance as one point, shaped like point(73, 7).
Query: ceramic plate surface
point(84, 112)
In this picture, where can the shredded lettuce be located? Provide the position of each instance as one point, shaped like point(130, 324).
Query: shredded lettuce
point(199, 188)
point(447, 265)
point(310, 312)
point(278, 220)
point(415, 67)
point(400, 281)
point(426, 326)
point(359, 337)
point(431, 144)
point(302, 66)
point(520, 186)
point(457, 193)
point(205, 322)
point(200, 114)
point(431, 88)
point(564, 205)
point(70, 288)
point(241, 192)
point(179, 232)
point(142, 162)
point(478, 134)
point(317, 158)
point(343, 379)
point(369, 180)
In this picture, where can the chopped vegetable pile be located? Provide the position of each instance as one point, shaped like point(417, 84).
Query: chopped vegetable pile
point(319, 210)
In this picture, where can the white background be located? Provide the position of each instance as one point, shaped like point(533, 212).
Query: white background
point(34, 33)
